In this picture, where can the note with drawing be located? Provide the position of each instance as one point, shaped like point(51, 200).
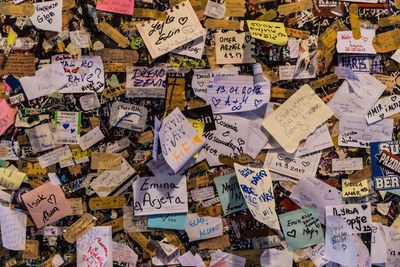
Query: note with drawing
point(180, 27)
point(227, 94)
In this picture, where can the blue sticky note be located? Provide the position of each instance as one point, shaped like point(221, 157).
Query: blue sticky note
point(301, 228)
point(229, 193)
point(175, 221)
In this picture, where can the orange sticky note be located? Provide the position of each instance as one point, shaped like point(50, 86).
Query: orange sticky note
point(7, 116)
point(116, 6)
point(46, 204)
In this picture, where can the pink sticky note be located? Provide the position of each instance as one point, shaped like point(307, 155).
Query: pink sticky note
point(46, 204)
point(7, 116)
point(116, 6)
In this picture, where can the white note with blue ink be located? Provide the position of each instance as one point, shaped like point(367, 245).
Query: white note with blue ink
point(203, 227)
point(228, 94)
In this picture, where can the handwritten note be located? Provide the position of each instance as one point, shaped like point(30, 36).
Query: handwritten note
point(230, 138)
point(13, 229)
point(116, 6)
point(54, 156)
point(347, 164)
point(46, 204)
point(174, 221)
point(297, 167)
point(355, 132)
point(194, 48)
point(354, 189)
point(320, 139)
point(392, 238)
point(106, 161)
point(301, 228)
point(11, 179)
point(228, 94)
point(109, 181)
point(179, 140)
point(48, 79)
point(233, 48)
point(85, 74)
point(257, 190)
point(312, 191)
point(383, 108)
point(146, 82)
point(316, 254)
point(180, 27)
point(202, 77)
point(123, 255)
point(357, 216)
point(7, 116)
point(276, 257)
point(160, 195)
point(91, 138)
point(203, 227)
point(298, 117)
point(128, 116)
point(79, 228)
point(272, 32)
point(229, 193)
point(339, 246)
point(347, 44)
point(95, 247)
point(40, 137)
point(356, 97)
point(48, 16)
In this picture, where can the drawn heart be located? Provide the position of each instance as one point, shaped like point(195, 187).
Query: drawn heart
point(200, 83)
point(66, 125)
point(291, 233)
point(72, 130)
point(241, 141)
point(305, 163)
point(393, 98)
point(257, 102)
point(247, 38)
point(215, 101)
point(52, 199)
point(382, 116)
point(364, 207)
point(183, 20)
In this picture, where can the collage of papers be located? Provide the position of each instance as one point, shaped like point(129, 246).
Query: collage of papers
point(204, 133)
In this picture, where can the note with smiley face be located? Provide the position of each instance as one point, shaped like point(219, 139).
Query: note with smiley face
point(46, 204)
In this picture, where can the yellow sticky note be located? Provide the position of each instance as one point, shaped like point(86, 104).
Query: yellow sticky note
point(197, 125)
point(272, 32)
point(11, 179)
point(297, 118)
point(357, 189)
point(12, 36)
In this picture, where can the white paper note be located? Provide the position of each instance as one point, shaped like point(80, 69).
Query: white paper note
point(95, 247)
point(48, 16)
point(347, 44)
point(356, 97)
point(312, 191)
point(228, 94)
point(355, 132)
point(13, 229)
point(180, 27)
point(160, 195)
point(257, 190)
point(179, 140)
point(203, 227)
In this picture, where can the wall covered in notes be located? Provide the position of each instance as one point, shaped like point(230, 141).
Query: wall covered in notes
point(207, 133)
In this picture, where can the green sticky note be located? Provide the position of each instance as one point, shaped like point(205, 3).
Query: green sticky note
point(301, 228)
point(229, 193)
